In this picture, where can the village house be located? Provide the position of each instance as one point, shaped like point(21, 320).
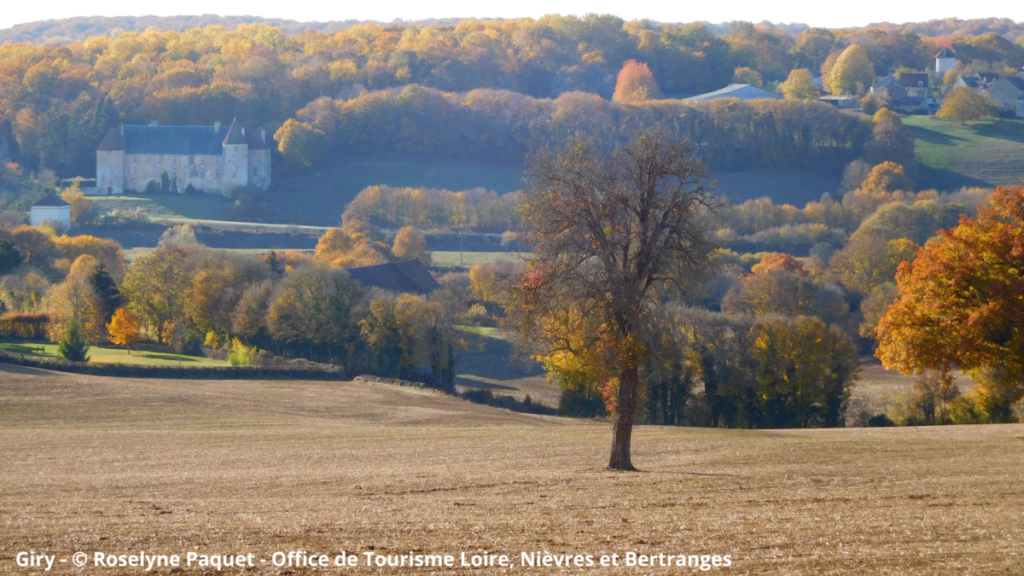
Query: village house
point(208, 158)
point(916, 84)
point(889, 87)
point(50, 208)
point(1008, 94)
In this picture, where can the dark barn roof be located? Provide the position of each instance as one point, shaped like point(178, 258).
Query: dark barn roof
point(179, 140)
point(945, 53)
point(914, 80)
point(409, 276)
point(51, 200)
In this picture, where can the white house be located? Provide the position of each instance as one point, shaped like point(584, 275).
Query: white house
point(51, 209)
point(945, 60)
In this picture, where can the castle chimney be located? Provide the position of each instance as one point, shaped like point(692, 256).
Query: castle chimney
point(154, 123)
point(263, 135)
point(216, 126)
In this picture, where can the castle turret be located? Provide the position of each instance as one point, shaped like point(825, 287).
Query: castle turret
point(945, 60)
point(236, 158)
point(110, 163)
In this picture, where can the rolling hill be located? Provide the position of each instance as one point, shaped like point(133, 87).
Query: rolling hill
point(984, 154)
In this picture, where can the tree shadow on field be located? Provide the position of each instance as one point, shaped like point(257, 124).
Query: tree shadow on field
point(935, 137)
point(1001, 129)
point(946, 180)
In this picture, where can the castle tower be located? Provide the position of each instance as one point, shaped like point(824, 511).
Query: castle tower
point(236, 158)
point(110, 168)
point(945, 60)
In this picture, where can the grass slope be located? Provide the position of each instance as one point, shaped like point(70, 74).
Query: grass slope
point(120, 464)
point(982, 154)
point(147, 356)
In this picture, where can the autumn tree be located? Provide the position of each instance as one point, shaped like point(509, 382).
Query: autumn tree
point(158, 286)
point(851, 74)
point(81, 207)
point(635, 83)
point(800, 85)
point(613, 235)
point(745, 75)
point(302, 146)
point(74, 301)
point(961, 301)
point(124, 329)
point(411, 244)
point(887, 177)
point(963, 104)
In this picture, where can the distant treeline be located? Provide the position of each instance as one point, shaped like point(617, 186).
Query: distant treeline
point(493, 125)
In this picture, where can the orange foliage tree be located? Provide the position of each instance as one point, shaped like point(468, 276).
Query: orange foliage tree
point(635, 83)
point(124, 328)
point(961, 301)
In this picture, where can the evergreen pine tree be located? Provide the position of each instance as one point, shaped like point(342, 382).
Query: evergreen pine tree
point(73, 346)
point(105, 288)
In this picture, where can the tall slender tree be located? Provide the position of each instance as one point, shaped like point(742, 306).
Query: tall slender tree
point(613, 235)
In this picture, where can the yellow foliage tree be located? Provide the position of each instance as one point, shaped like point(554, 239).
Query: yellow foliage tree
point(81, 207)
point(124, 329)
point(411, 244)
point(963, 104)
point(800, 85)
point(852, 72)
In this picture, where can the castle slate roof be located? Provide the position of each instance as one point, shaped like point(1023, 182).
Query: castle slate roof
point(945, 53)
point(179, 140)
point(408, 276)
point(51, 200)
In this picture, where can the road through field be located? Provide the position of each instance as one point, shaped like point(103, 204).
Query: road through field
point(169, 467)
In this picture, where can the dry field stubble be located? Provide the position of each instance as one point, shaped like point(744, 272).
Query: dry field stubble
point(166, 466)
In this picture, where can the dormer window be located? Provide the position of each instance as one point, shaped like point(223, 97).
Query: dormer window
point(920, 83)
point(174, 160)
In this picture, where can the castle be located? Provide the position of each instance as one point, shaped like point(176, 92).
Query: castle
point(209, 158)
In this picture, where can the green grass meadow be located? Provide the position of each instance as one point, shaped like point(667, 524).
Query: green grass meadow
point(146, 355)
point(985, 154)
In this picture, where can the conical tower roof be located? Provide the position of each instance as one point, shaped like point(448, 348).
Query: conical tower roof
point(235, 135)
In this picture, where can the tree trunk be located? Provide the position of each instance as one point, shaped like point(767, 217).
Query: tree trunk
point(622, 422)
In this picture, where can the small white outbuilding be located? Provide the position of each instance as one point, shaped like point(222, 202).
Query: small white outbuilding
point(51, 208)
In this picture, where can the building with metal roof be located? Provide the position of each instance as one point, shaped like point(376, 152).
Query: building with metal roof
point(741, 91)
point(209, 158)
point(408, 276)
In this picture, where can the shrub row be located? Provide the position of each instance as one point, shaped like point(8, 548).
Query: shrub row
point(197, 373)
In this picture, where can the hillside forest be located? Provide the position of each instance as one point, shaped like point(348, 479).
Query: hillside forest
point(772, 332)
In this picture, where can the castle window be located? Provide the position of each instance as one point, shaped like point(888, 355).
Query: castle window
point(216, 160)
point(174, 173)
point(218, 173)
point(191, 172)
point(174, 160)
point(202, 172)
point(135, 159)
point(234, 161)
point(202, 160)
point(135, 171)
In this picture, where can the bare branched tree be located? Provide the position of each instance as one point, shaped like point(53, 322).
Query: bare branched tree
point(614, 236)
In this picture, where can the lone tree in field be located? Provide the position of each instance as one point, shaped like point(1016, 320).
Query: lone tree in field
point(964, 104)
point(613, 235)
